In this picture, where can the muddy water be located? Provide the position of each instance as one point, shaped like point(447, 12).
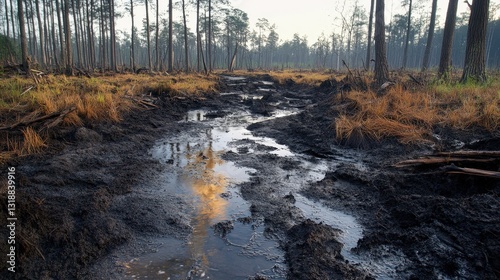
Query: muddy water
point(226, 243)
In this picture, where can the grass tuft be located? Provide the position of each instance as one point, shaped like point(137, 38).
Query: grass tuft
point(33, 142)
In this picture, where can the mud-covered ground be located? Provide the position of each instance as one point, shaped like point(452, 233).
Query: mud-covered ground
point(88, 200)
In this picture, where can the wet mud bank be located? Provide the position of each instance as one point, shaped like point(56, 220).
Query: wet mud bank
point(248, 184)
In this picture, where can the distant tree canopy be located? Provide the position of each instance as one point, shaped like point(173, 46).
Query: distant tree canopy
point(82, 33)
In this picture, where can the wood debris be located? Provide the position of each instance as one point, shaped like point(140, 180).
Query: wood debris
point(448, 161)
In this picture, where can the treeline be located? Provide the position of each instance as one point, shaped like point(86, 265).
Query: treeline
point(82, 34)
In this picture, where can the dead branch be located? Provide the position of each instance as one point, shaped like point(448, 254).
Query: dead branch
point(440, 160)
point(42, 118)
point(471, 171)
point(415, 80)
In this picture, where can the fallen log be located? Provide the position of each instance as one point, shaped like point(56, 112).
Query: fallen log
point(440, 160)
point(471, 171)
point(42, 118)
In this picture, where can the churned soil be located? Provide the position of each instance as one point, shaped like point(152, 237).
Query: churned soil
point(84, 197)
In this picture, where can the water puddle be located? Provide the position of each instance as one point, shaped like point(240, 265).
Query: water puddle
point(208, 183)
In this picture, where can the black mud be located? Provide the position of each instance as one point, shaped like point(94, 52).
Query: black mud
point(90, 198)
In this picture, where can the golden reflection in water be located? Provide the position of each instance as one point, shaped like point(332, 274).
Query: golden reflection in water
point(207, 185)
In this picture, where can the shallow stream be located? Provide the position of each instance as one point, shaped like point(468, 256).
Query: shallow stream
point(225, 242)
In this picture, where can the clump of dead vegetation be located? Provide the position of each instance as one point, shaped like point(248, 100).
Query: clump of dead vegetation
point(410, 113)
point(30, 108)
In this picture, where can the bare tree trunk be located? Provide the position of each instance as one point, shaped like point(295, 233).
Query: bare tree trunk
point(430, 36)
point(67, 32)
point(407, 41)
point(381, 68)
point(148, 35)
point(77, 38)
point(170, 38)
point(112, 34)
point(132, 51)
point(186, 50)
point(61, 31)
point(157, 51)
point(449, 30)
point(209, 35)
point(53, 31)
point(103, 38)
point(475, 51)
point(7, 18)
point(34, 48)
point(12, 19)
point(40, 30)
point(24, 43)
point(198, 36)
point(369, 45)
point(85, 45)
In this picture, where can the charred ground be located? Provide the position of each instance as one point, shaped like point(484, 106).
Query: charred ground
point(84, 197)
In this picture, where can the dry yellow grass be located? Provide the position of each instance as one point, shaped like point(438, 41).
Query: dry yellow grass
point(100, 98)
point(33, 142)
point(304, 77)
point(410, 116)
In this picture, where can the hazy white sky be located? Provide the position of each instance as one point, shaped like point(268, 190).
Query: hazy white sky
point(312, 17)
point(305, 17)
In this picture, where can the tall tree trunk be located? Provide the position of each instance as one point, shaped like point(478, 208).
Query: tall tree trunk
point(40, 30)
point(7, 18)
point(53, 31)
point(407, 41)
point(170, 38)
point(209, 35)
point(381, 68)
point(186, 49)
point(198, 36)
point(475, 51)
point(132, 51)
point(430, 36)
point(77, 32)
point(449, 30)
point(157, 49)
point(34, 48)
point(112, 34)
point(148, 35)
point(59, 8)
point(24, 43)
point(369, 45)
point(85, 45)
point(67, 32)
point(90, 34)
point(102, 38)
point(12, 19)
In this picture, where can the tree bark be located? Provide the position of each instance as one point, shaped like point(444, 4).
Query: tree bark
point(24, 43)
point(407, 41)
point(41, 35)
point(186, 50)
point(132, 51)
point(157, 47)
point(148, 35)
point(475, 51)
point(170, 38)
point(67, 32)
point(430, 37)
point(198, 36)
point(381, 68)
point(369, 45)
point(112, 36)
point(61, 32)
point(449, 30)
point(209, 55)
